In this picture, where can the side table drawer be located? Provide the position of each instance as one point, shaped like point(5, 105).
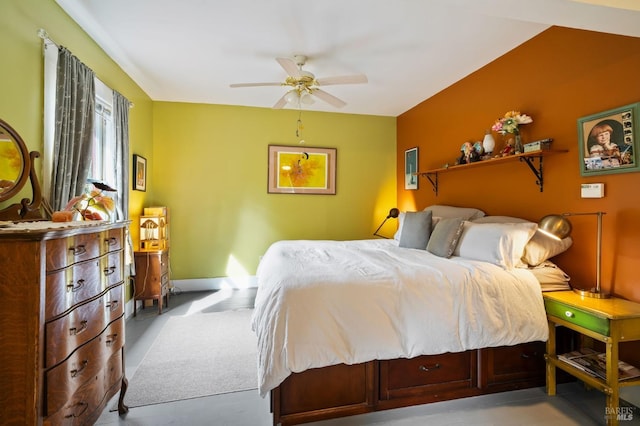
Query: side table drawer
point(577, 317)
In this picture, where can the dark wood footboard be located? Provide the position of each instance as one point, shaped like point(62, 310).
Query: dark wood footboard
point(345, 390)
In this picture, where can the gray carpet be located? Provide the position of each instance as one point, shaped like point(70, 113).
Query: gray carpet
point(197, 355)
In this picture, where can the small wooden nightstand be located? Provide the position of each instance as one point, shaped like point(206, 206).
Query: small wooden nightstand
point(152, 277)
point(610, 321)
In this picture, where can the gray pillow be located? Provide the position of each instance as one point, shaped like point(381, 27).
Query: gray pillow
point(416, 230)
point(444, 237)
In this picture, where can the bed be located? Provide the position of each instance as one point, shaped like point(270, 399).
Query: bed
point(348, 327)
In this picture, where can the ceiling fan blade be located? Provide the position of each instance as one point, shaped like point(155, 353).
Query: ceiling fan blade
point(329, 98)
point(290, 67)
point(254, 84)
point(343, 79)
point(281, 103)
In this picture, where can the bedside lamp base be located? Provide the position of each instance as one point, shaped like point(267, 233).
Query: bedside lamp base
point(593, 293)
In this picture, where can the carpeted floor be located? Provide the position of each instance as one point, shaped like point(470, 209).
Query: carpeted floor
point(197, 355)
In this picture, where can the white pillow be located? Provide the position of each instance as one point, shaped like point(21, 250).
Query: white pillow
point(465, 213)
point(499, 243)
point(540, 247)
point(500, 219)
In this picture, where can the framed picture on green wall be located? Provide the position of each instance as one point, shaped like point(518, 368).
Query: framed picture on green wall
point(608, 141)
point(411, 168)
point(139, 173)
point(302, 170)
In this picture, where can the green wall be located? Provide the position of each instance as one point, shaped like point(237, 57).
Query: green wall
point(208, 163)
point(21, 73)
point(210, 169)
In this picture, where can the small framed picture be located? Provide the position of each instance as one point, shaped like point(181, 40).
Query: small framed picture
point(608, 141)
point(411, 168)
point(301, 170)
point(139, 173)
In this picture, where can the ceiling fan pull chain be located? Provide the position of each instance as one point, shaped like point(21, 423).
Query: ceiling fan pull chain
point(299, 126)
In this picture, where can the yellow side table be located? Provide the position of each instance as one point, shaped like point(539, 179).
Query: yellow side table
point(610, 321)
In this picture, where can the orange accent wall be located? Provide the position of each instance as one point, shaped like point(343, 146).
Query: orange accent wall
point(557, 77)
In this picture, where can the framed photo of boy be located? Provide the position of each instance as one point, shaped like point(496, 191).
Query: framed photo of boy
point(608, 141)
point(411, 168)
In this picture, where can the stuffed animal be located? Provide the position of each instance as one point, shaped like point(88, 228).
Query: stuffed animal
point(468, 154)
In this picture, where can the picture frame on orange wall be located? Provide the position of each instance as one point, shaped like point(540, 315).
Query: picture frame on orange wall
point(608, 141)
point(411, 168)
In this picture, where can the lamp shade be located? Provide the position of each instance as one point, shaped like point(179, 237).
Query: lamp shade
point(555, 225)
point(488, 143)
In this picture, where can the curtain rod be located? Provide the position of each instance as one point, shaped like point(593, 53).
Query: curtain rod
point(42, 33)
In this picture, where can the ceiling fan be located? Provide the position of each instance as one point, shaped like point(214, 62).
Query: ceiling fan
point(304, 85)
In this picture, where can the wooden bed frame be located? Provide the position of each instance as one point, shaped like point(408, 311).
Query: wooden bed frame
point(345, 390)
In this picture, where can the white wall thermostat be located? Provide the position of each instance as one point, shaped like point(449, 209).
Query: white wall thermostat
point(592, 190)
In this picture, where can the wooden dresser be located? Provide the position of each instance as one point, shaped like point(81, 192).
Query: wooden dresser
point(62, 322)
point(152, 277)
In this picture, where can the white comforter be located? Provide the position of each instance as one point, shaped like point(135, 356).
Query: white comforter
point(322, 303)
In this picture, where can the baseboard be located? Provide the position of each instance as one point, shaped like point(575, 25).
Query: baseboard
point(202, 284)
point(218, 283)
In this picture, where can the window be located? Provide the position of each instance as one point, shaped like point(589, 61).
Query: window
point(103, 158)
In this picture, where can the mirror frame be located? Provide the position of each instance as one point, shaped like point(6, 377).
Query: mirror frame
point(26, 209)
point(26, 164)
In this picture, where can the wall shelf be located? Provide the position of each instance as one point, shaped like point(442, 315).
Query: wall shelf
point(529, 158)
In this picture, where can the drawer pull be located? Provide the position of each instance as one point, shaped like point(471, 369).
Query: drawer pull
point(569, 314)
point(423, 368)
point(113, 305)
point(77, 371)
point(527, 356)
point(111, 241)
point(74, 331)
point(111, 338)
point(82, 405)
point(78, 250)
point(78, 286)
point(109, 270)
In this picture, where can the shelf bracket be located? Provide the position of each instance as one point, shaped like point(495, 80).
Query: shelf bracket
point(536, 171)
point(433, 178)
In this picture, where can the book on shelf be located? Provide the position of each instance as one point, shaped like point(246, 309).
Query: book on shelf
point(594, 363)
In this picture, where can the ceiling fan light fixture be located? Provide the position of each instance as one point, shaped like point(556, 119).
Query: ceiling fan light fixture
point(292, 97)
point(306, 98)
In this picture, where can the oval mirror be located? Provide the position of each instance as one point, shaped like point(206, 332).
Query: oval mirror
point(15, 163)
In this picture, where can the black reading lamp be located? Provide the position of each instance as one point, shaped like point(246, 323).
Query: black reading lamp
point(559, 227)
point(393, 213)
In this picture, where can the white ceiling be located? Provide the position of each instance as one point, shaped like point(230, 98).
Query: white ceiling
point(192, 50)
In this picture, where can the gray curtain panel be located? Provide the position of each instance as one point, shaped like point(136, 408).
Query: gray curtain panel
point(121, 122)
point(75, 109)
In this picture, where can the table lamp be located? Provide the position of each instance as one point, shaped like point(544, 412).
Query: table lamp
point(558, 227)
point(393, 213)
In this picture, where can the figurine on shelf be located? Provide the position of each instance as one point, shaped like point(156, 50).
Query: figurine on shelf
point(508, 149)
point(469, 154)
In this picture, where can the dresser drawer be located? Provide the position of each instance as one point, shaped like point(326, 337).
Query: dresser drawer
point(80, 325)
point(86, 404)
point(73, 285)
point(578, 317)
point(67, 251)
point(111, 269)
point(82, 366)
point(429, 373)
point(112, 240)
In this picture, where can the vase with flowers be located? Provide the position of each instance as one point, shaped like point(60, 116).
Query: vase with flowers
point(93, 204)
point(510, 124)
